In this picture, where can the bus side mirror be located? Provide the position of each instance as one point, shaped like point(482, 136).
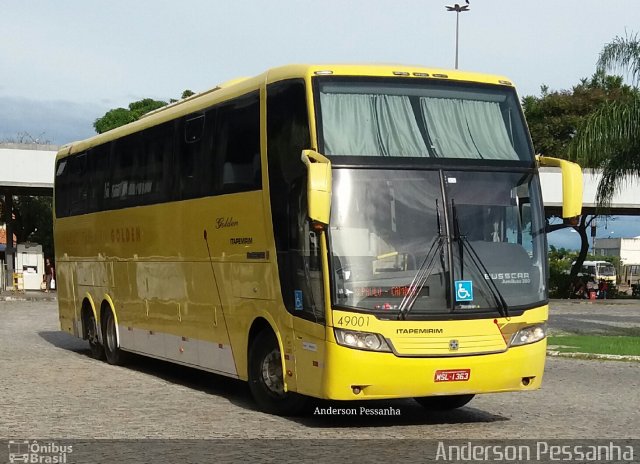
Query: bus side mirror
point(318, 186)
point(571, 185)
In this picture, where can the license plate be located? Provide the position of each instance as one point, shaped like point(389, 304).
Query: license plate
point(458, 375)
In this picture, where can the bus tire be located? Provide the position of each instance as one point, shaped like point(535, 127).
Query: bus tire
point(444, 403)
point(91, 331)
point(113, 353)
point(266, 380)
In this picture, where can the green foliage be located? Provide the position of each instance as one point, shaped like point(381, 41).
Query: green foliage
point(599, 344)
point(622, 53)
point(609, 138)
point(32, 221)
point(112, 119)
point(120, 116)
point(555, 117)
point(560, 260)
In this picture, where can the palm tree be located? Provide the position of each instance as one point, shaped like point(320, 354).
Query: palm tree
point(610, 138)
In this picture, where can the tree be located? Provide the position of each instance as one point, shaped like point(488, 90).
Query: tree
point(120, 116)
point(32, 220)
point(555, 116)
point(32, 215)
point(610, 137)
point(554, 119)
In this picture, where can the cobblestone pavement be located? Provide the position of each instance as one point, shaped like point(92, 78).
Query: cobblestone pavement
point(50, 387)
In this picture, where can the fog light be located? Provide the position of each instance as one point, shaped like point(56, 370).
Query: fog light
point(526, 381)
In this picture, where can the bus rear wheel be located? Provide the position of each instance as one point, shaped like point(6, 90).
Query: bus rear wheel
point(91, 328)
point(444, 403)
point(112, 352)
point(266, 379)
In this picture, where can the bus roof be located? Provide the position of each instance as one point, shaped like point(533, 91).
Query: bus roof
point(237, 87)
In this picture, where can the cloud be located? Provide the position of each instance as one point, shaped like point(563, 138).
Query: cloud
point(58, 122)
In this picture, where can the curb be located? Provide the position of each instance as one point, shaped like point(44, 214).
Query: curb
point(18, 297)
point(604, 357)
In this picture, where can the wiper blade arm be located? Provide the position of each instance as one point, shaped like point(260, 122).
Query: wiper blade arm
point(424, 271)
point(458, 237)
point(464, 243)
point(495, 291)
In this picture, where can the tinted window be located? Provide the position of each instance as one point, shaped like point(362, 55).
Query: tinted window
point(78, 184)
point(62, 188)
point(98, 173)
point(158, 146)
point(237, 144)
point(298, 253)
point(189, 156)
point(206, 153)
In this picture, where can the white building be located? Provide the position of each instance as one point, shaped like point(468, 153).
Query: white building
point(628, 249)
point(27, 169)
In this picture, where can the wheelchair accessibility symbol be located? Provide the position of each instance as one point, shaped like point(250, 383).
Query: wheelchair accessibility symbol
point(464, 290)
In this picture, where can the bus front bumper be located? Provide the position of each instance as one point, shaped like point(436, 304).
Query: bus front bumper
point(356, 375)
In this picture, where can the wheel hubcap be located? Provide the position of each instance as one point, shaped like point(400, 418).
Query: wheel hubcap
point(111, 335)
point(272, 373)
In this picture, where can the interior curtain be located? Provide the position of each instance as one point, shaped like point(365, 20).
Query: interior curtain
point(370, 125)
point(467, 129)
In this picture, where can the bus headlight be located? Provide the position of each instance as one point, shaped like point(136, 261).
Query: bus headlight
point(527, 335)
point(361, 340)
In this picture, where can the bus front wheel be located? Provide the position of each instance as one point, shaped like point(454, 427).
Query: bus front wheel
point(444, 403)
point(266, 379)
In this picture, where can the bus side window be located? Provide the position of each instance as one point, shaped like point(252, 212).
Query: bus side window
point(153, 176)
point(98, 172)
point(189, 154)
point(122, 165)
point(237, 144)
point(209, 163)
point(61, 188)
point(296, 246)
point(79, 183)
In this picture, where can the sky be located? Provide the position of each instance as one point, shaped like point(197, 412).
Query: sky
point(64, 63)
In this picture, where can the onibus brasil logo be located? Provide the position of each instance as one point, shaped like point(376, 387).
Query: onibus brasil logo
point(32, 451)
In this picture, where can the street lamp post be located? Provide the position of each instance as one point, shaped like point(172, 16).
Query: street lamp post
point(458, 9)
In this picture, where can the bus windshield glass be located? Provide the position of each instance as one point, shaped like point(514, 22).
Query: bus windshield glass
point(423, 118)
point(388, 239)
point(606, 270)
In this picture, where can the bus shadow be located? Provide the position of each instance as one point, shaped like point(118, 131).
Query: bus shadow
point(235, 391)
point(387, 413)
point(318, 414)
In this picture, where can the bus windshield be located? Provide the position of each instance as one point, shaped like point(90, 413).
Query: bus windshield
point(606, 269)
point(388, 239)
point(420, 118)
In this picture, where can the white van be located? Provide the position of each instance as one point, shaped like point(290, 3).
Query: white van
point(599, 270)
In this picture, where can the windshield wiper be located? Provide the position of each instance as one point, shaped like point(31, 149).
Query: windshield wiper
point(463, 243)
point(424, 271)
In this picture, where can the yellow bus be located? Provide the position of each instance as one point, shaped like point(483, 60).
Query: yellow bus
point(344, 232)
